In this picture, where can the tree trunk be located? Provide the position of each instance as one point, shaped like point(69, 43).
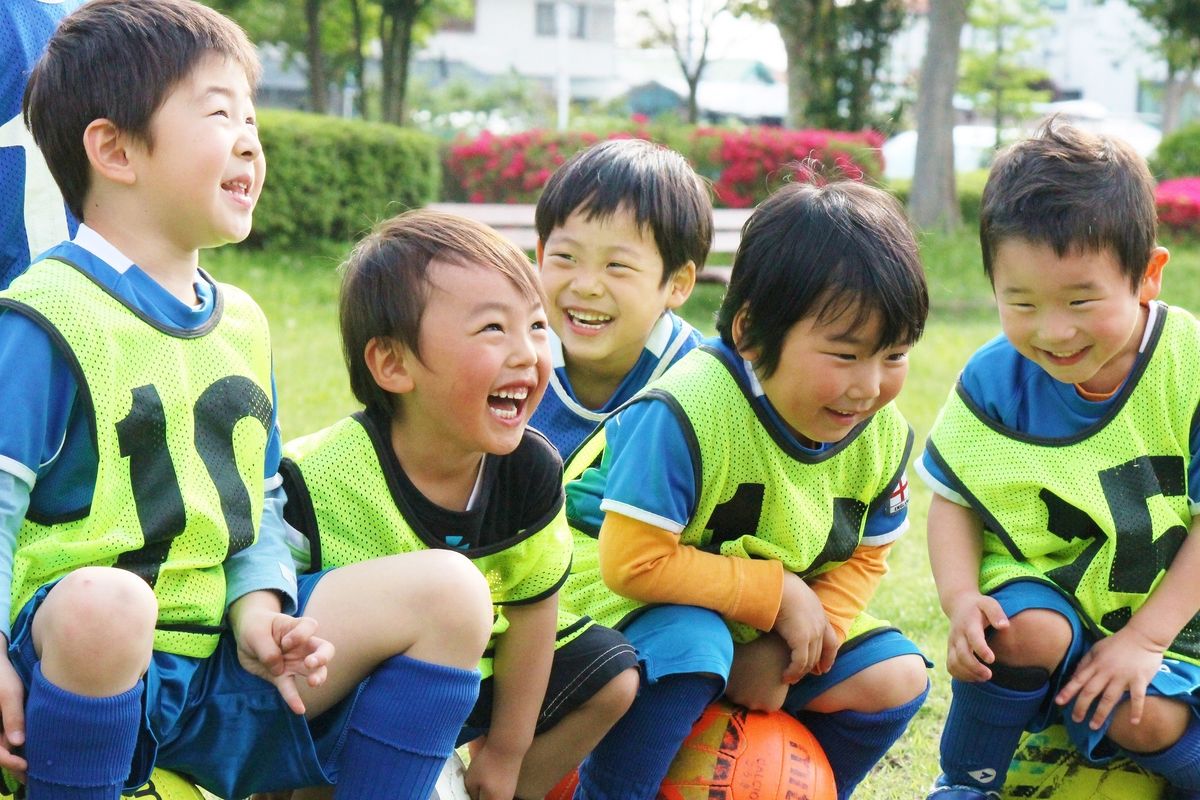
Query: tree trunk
point(395, 35)
point(360, 60)
point(933, 200)
point(317, 81)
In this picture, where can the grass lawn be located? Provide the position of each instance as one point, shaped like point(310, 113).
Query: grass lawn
point(298, 293)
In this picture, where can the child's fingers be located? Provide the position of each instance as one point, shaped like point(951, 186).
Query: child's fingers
point(979, 646)
point(993, 612)
point(1137, 702)
point(1109, 698)
point(287, 690)
point(299, 630)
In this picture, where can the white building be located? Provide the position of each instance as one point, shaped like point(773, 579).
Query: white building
point(520, 36)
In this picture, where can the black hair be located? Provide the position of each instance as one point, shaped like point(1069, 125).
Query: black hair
point(823, 251)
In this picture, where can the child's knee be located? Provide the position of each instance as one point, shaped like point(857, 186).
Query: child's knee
point(103, 605)
point(1163, 723)
point(616, 696)
point(1036, 637)
point(468, 614)
point(888, 684)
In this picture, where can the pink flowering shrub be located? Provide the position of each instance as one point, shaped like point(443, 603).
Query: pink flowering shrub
point(1178, 202)
point(743, 165)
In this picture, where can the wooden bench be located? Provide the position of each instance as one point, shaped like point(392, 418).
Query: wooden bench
point(515, 221)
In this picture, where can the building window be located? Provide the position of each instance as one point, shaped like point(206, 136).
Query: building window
point(547, 19)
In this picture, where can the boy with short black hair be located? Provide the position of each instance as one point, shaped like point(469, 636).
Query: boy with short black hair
point(740, 510)
point(1066, 475)
point(445, 338)
point(154, 609)
point(623, 228)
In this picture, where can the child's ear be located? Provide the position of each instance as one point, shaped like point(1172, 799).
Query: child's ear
point(681, 285)
point(105, 145)
point(738, 330)
point(1152, 280)
point(387, 360)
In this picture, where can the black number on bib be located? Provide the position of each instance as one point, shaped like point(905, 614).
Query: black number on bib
point(740, 515)
point(142, 436)
point(736, 517)
point(1141, 557)
point(218, 411)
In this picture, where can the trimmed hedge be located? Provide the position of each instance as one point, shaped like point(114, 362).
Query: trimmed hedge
point(330, 178)
point(970, 193)
point(743, 165)
point(1178, 154)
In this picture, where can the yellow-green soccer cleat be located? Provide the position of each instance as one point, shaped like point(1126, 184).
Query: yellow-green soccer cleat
point(1047, 765)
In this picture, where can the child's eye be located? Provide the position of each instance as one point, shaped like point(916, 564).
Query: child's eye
point(1078, 303)
point(844, 356)
point(220, 112)
point(252, 121)
point(617, 265)
point(540, 325)
point(898, 357)
point(492, 326)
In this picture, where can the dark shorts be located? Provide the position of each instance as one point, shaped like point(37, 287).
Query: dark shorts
point(581, 668)
point(210, 720)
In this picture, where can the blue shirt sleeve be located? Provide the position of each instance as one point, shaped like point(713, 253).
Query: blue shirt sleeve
point(37, 395)
point(14, 500)
point(650, 476)
point(266, 564)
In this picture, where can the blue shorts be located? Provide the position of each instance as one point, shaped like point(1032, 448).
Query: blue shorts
point(210, 720)
point(1178, 680)
point(675, 640)
point(865, 651)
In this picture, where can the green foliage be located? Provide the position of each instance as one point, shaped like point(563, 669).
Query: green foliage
point(970, 193)
point(1178, 25)
point(993, 72)
point(1178, 154)
point(329, 178)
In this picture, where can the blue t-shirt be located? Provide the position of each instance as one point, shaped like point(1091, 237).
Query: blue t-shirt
point(566, 422)
point(48, 459)
point(647, 474)
point(32, 214)
point(1019, 394)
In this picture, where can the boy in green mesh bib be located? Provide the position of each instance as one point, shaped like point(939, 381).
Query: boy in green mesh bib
point(446, 342)
point(149, 602)
point(1064, 468)
point(741, 508)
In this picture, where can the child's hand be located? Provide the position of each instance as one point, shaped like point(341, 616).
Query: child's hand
point(277, 647)
point(1123, 662)
point(804, 627)
point(493, 773)
point(967, 651)
point(12, 715)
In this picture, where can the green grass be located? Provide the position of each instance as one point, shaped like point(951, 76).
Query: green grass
point(298, 291)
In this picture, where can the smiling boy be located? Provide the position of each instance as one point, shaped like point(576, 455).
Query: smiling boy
point(623, 227)
point(1066, 474)
point(152, 613)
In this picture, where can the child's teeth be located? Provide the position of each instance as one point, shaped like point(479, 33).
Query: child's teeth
point(513, 394)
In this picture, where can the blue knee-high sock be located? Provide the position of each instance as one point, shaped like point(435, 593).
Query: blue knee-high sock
point(633, 757)
point(402, 729)
point(982, 731)
point(1179, 763)
point(854, 741)
point(77, 747)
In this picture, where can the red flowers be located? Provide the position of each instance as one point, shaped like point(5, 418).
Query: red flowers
point(743, 165)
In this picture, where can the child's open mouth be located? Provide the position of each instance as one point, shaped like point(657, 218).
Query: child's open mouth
point(587, 321)
point(239, 189)
point(507, 404)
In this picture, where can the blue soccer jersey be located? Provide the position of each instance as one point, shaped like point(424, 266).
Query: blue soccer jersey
point(1020, 395)
point(32, 214)
point(566, 422)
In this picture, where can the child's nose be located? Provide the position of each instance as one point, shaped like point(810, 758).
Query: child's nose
point(865, 385)
point(248, 145)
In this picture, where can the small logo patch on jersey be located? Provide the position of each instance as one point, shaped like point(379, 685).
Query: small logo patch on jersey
point(985, 775)
point(898, 500)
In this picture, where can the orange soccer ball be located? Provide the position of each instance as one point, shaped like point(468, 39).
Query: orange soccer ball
point(735, 754)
